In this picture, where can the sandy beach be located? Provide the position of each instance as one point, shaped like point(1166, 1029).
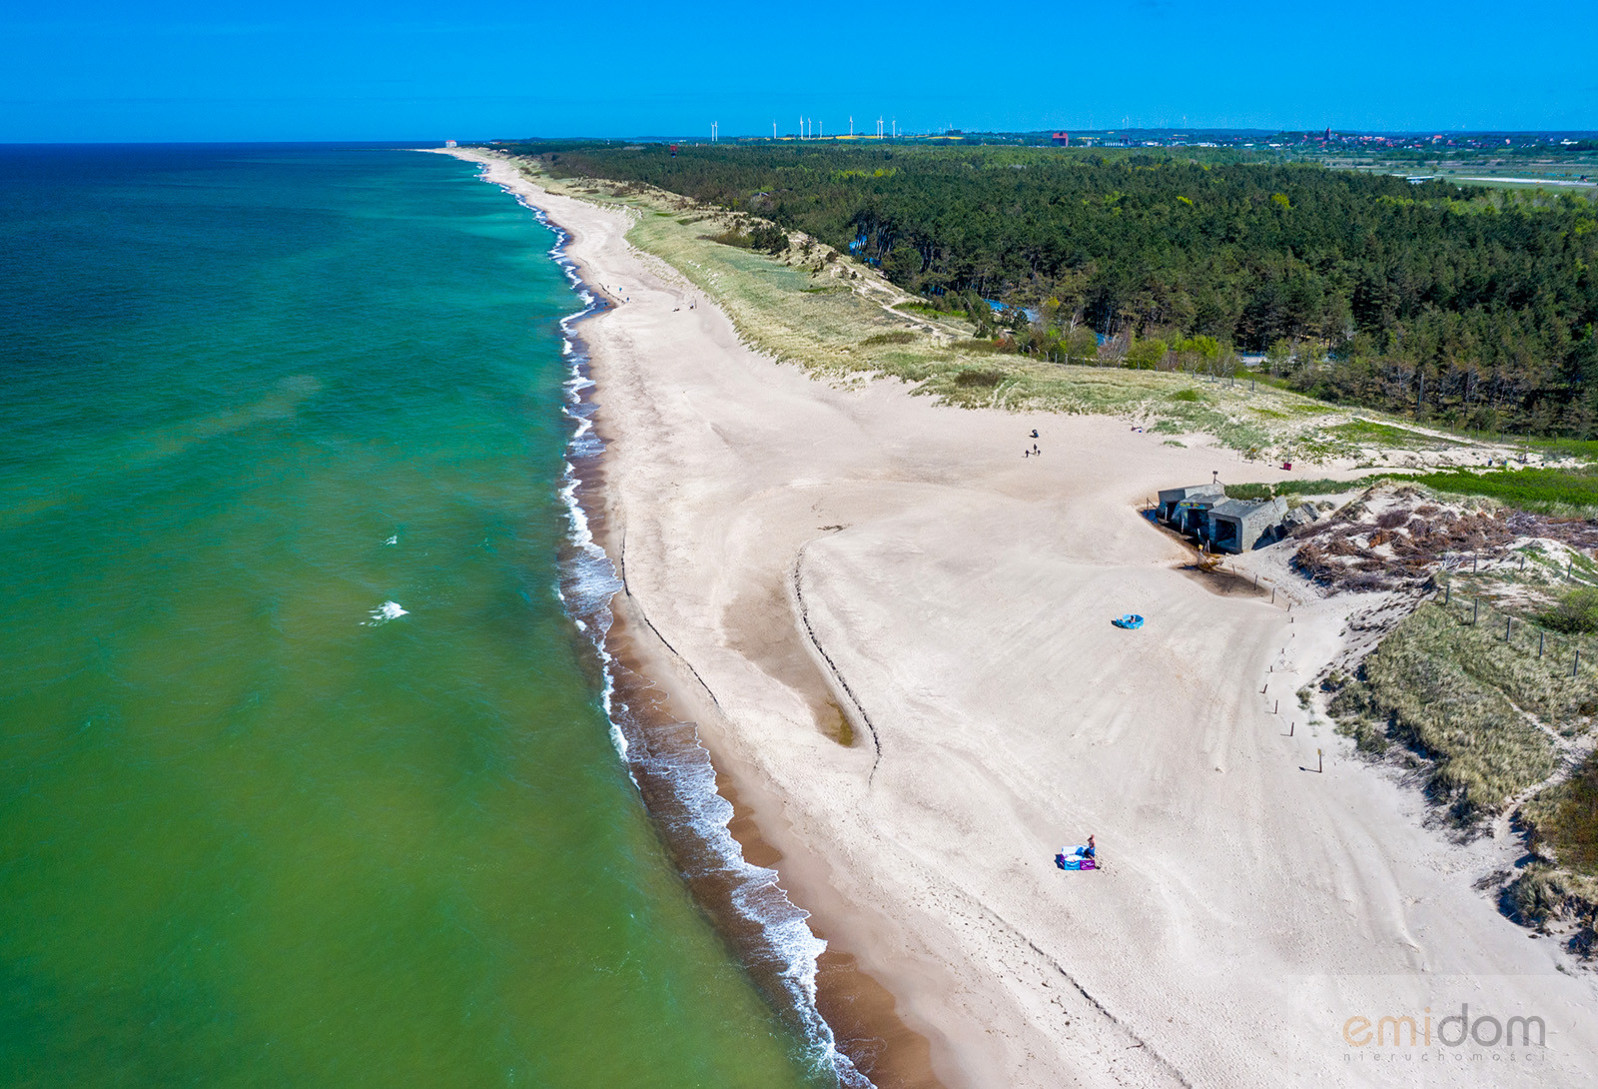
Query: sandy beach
point(795, 552)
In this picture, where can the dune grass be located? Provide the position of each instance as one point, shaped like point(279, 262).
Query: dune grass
point(1566, 818)
point(1563, 882)
point(1469, 703)
point(1363, 430)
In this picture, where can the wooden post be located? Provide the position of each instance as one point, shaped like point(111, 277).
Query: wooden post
point(1278, 708)
point(1508, 620)
point(1577, 663)
point(1475, 611)
point(1290, 727)
point(1540, 637)
point(1273, 595)
point(1320, 762)
point(1448, 593)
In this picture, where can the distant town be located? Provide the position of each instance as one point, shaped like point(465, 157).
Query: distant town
point(1493, 158)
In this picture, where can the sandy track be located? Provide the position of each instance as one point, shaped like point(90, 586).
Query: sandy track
point(801, 546)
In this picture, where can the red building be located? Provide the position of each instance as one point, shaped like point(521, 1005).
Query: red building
point(1062, 139)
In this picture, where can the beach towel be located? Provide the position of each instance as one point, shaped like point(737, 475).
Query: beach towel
point(1072, 858)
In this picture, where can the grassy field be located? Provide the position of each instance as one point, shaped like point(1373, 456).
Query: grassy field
point(1561, 492)
point(1301, 487)
point(1547, 491)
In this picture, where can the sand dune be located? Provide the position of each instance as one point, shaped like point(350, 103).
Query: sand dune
point(801, 547)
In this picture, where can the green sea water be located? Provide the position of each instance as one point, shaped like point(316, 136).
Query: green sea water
point(304, 776)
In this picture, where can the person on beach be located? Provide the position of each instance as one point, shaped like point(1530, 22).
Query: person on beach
point(1091, 851)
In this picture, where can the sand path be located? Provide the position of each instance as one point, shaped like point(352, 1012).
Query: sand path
point(797, 544)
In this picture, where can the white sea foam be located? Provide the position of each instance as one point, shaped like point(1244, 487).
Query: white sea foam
point(791, 948)
point(389, 610)
point(394, 540)
point(587, 584)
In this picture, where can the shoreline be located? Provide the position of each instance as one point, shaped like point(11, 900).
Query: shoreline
point(721, 881)
point(943, 585)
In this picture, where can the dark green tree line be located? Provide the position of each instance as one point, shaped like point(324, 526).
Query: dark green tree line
point(1477, 307)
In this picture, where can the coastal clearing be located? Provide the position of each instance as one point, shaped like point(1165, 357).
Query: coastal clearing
point(796, 551)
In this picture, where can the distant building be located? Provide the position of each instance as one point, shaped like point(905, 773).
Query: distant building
point(1062, 139)
point(450, 143)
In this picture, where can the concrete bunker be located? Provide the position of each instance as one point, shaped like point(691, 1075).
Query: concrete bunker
point(1238, 525)
point(1203, 512)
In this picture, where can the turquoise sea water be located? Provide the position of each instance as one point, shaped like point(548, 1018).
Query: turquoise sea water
point(304, 774)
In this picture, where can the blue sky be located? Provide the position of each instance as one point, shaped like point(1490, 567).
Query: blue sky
point(137, 70)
